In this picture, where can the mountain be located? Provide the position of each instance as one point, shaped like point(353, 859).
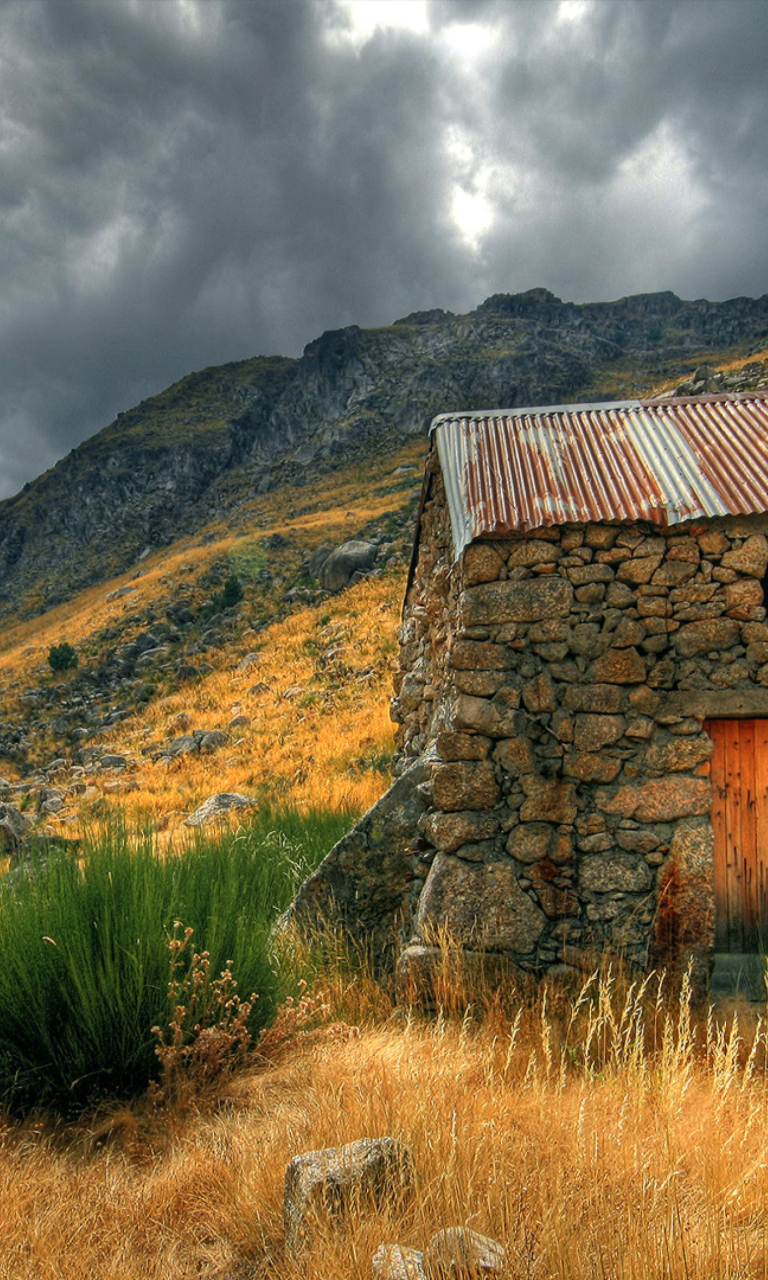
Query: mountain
point(204, 449)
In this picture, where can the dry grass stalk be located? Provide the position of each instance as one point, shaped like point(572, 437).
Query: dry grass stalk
point(602, 1132)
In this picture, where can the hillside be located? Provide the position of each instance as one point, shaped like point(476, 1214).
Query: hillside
point(206, 449)
point(293, 682)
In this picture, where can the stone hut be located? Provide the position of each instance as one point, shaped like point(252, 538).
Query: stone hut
point(585, 655)
point(582, 700)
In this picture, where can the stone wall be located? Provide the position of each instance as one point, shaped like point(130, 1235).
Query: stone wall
point(560, 679)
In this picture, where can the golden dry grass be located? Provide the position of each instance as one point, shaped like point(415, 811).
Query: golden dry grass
point(623, 1161)
point(316, 727)
point(316, 706)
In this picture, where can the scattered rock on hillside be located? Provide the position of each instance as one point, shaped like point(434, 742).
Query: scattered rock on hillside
point(239, 721)
point(248, 661)
point(341, 566)
point(395, 1262)
point(329, 1181)
point(457, 1251)
point(318, 559)
point(218, 805)
point(112, 761)
point(14, 826)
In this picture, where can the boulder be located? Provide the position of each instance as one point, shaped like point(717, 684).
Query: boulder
point(342, 564)
point(479, 905)
point(395, 1262)
point(14, 826)
point(325, 1184)
point(318, 559)
point(182, 746)
point(217, 805)
point(363, 885)
point(457, 1251)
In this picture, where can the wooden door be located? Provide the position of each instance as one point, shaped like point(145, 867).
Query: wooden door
point(739, 773)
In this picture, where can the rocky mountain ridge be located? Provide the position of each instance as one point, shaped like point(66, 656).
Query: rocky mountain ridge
point(205, 448)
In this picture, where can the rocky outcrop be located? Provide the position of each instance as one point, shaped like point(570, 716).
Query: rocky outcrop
point(369, 882)
point(346, 564)
point(193, 453)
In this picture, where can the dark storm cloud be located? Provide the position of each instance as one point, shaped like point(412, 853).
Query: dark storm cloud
point(184, 182)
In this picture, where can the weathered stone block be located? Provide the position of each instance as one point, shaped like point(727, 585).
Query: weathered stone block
point(602, 699)
point(530, 842)
point(591, 732)
point(750, 558)
point(713, 542)
point(741, 596)
point(650, 546)
point(580, 575)
point(684, 549)
point(639, 727)
point(627, 633)
point(515, 755)
point(640, 570)
point(699, 637)
point(600, 536)
point(682, 755)
point(526, 601)
point(448, 831)
point(534, 551)
point(554, 900)
point(481, 563)
point(482, 716)
point(478, 684)
point(588, 640)
point(672, 573)
point(619, 595)
point(464, 784)
point(538, 694)
point(619, 666)
point(660, 800)
point(462, 746)
point(480, 655)
point(591, 767)
point(637, 841)
point(654, 607)
point(693, 593)
point(616, 873)
point(754, 633)
point(478, 905)
point(548, 800)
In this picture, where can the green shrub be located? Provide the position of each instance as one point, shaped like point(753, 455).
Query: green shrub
point(231, 594)
point(62, 657)
point(84, 950)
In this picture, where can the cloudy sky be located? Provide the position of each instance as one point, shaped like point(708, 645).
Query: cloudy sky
point(186, 182)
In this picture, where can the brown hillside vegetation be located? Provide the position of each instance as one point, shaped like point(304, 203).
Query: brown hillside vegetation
point(597, 1134)
point(310, 702)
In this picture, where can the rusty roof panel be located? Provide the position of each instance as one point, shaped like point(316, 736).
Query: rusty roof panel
point(664, 461)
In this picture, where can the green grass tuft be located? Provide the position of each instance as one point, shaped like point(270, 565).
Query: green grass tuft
point(84, 949)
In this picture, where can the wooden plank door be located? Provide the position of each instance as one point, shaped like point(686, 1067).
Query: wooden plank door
point(739, 774)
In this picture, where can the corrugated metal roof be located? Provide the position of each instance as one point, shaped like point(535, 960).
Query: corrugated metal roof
point(659, 460)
